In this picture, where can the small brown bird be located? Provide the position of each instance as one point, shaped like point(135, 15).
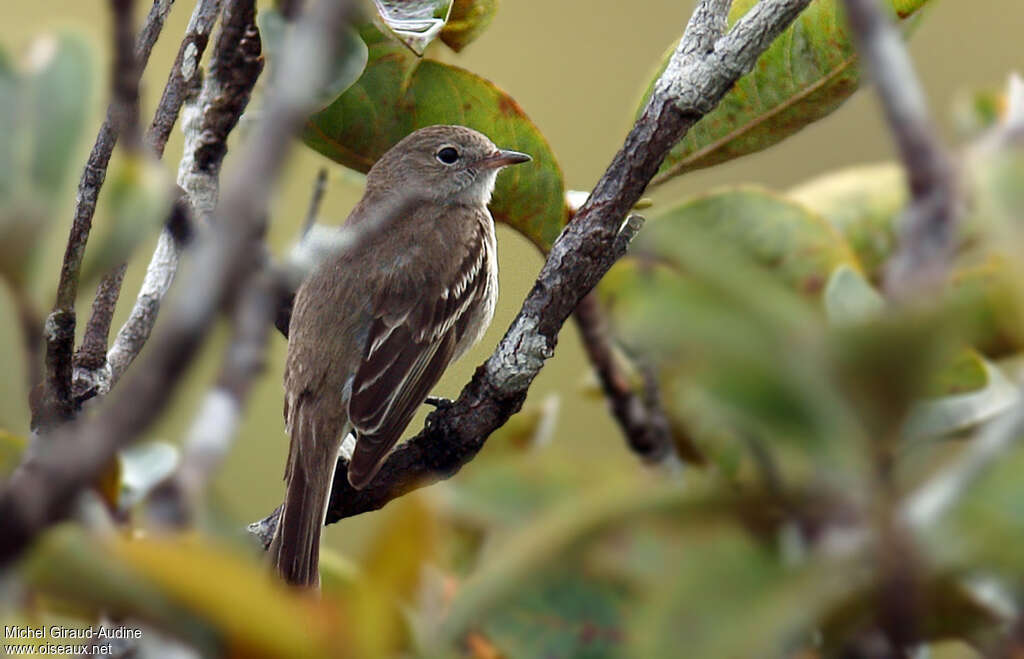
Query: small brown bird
point(373, 328)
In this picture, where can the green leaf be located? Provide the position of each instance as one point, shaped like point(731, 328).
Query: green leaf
point(42, 110)
point(414, 22)
point(346, 68)
point(849, 298)
point(559, 613)
point(11, 448)
point(792, 242)
point(805, 75)
point(533, 546)
point(139, 197)
point(61, 83)
point(467, 20)
point(864, 204)
point(724, 576)
point(959, 412)
point(399, 93)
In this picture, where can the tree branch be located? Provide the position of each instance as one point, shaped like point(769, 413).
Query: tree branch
point(55, 403)
point(927, 228)
point(695, 80)
point(639, 414)
point(45, 484)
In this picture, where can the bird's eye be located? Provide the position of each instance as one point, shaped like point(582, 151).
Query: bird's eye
point(448, 155)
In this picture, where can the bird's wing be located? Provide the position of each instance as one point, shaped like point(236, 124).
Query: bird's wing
point(409, 347)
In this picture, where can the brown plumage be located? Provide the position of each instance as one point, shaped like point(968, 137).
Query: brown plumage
point(373, 329)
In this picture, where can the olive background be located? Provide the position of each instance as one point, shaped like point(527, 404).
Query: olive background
point(577, 67)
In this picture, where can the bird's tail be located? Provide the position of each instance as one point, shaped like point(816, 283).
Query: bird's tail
point(295, 549)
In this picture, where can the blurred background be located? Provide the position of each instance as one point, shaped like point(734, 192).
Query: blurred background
point(577, 67)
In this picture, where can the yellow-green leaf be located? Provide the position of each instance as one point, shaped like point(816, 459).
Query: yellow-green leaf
point(864, 204)
point(805, 75)
point(467, 20)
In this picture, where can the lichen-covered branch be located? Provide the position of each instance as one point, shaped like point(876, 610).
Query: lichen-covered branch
point(694, 82)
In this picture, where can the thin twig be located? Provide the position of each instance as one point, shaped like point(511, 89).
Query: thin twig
point(55, 403)
point(92, 353)
point(319, 187)
point(45, 484)
point(646, 428)
point(693, 83)
point(928, 225)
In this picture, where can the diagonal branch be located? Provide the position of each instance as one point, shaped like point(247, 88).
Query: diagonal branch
point(692, 84)
point(45, 485)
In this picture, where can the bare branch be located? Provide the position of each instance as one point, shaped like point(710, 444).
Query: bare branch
point(45, 484)
point(928, 225)
point(55, 403)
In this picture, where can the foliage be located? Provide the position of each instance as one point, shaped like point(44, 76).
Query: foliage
point(825, 413)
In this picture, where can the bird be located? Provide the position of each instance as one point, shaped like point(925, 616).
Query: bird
point(374, 327)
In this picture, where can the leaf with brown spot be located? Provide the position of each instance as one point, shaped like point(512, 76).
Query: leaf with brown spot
point(808, 72)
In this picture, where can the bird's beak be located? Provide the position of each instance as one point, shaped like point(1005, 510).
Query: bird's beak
point(503, 158)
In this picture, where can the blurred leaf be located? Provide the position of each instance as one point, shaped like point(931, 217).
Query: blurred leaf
point(399, 93)
point(559, 613)
point(993, 304)
point(346, 68)
point(975, 112)
point(985, 527)
point(139, 197)
point(467, 21)
point(850, 299)
point(968, 371)
point(741, 351)
point(522, 553)
point(736, 581)
point(61, 83)
point(529, 428)
point(391, 572)
point(414, 22)
point(959, 412)
point(806, 74)
point(11, 448)
point(946, 608)
point(782, 236)
point(143, 466)
point(884, 366)
point(864, 204)
point(43, 109)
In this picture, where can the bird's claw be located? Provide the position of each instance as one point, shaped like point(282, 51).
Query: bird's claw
point(439, 402)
